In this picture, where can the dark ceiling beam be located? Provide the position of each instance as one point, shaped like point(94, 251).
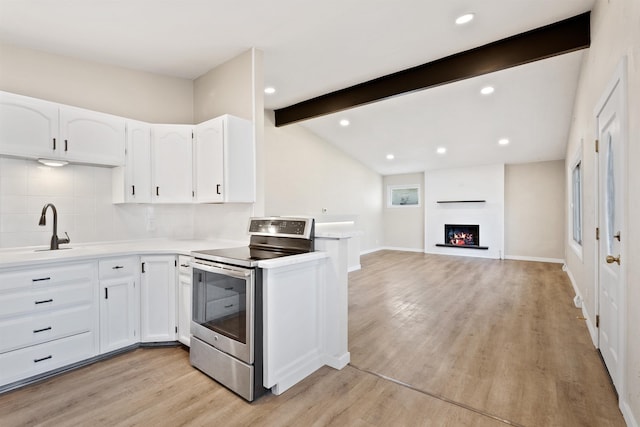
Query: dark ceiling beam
point(556, 39)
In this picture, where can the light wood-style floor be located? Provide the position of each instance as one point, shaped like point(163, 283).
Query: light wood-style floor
point(434, 341)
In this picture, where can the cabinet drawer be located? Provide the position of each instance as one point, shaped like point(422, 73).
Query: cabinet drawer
point(30, 361)
point(44, 276)
point(117, 267)
point(24, 331)
point(183, 264)
point(37, 300)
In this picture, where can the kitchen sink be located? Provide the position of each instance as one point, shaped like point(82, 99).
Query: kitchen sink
point(52, 250)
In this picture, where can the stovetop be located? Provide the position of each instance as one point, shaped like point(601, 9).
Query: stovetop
point(244, 255)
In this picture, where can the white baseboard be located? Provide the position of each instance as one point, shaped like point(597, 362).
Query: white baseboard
point(628, 414)
point(590, 325)
point(395, 248)
point(535, 259)
point(338, 362)
point(354, 268)
point(369, 251)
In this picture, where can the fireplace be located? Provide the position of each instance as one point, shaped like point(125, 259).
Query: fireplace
point(462, 235)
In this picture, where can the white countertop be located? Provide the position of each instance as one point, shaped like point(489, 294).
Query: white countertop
point(25, 256)
point(16, 257)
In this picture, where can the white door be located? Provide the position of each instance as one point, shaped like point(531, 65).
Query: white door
point(91, 137)
point(611, 193)
point(171, 167)
point(208, 161)
point(138, 163)
point(117, 313)
point(28, 126)
point(158, 299)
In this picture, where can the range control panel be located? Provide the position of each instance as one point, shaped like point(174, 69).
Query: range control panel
point(280, 226)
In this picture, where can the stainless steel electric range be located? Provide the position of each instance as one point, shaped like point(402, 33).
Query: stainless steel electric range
point(227, 302)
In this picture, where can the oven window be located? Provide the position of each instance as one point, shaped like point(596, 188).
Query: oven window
point(222, 306)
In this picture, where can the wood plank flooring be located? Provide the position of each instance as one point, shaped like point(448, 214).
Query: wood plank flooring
point(499, 336)
point(434, 341)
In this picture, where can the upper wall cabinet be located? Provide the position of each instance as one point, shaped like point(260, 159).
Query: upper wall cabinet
point(132, 182)
point(224, 161)
point(28, 126)
point(171, 158)
point(91, 137)
point(34, 128)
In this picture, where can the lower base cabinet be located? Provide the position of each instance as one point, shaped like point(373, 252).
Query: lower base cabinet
point(119, 303)
point(41, 358)
point(184, 300)
point(158, 298)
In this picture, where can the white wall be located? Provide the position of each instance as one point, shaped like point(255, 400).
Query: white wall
point(534, 211)
point(82, 196)
point(474, 183)
point(109, 89)
point(305, 174)
point(234, 87)
point(615, 32)
point(404, 226)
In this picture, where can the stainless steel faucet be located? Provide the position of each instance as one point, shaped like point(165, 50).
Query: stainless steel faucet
point(55, 240)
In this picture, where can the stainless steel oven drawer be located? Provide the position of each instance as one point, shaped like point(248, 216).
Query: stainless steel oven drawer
point(228, 371)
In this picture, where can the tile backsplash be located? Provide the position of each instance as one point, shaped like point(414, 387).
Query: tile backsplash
point(82, 196)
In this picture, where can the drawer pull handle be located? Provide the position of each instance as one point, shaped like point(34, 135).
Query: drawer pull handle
point(44, 301)
point(41, 279)
point(43, 359)
point(117, 267)
point(228, 289)
point(35, 331)
point(184, 265)
point(228, 306)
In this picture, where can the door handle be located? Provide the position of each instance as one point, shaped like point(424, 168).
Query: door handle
point(611, 259)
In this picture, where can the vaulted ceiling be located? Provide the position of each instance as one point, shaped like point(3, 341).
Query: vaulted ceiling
point(312, 48)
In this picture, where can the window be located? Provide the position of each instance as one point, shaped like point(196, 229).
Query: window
point(401, 196)
point(576, 201)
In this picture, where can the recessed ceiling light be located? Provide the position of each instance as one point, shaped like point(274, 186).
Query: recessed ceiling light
point(503, 141)
point(344, 122)
point(441, 150)
point(269, 90)
point(390, 157)
point(487, 90)
point(464, 19)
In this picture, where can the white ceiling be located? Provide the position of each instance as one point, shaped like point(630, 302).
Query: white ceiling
point(313, 47)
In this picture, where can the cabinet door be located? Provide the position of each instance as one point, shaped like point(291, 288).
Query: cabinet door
point(28, 126)
point(208, 161)
point(184, 309)
point(171, 164)
point(91, 137)
point(158, 299)
point(117, 313)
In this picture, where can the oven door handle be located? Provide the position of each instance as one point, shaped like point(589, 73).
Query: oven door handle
point(220, 270)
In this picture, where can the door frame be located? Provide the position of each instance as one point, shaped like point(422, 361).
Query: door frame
point(619, 78)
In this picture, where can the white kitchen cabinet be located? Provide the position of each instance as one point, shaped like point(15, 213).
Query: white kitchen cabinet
point(184, 299)
point(91, 137)
point(132, 182)
point(158, 321)
point(119, 303)
point(35, 128)
point(28, 126)
point(224, 161)
point(171, 163)
point(48, 318)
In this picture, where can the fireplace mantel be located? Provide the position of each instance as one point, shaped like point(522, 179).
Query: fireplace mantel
point(460, 201)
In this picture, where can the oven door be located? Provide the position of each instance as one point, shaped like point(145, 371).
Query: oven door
point(224, 307)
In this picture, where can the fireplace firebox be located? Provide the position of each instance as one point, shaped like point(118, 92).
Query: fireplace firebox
point(462, 236)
